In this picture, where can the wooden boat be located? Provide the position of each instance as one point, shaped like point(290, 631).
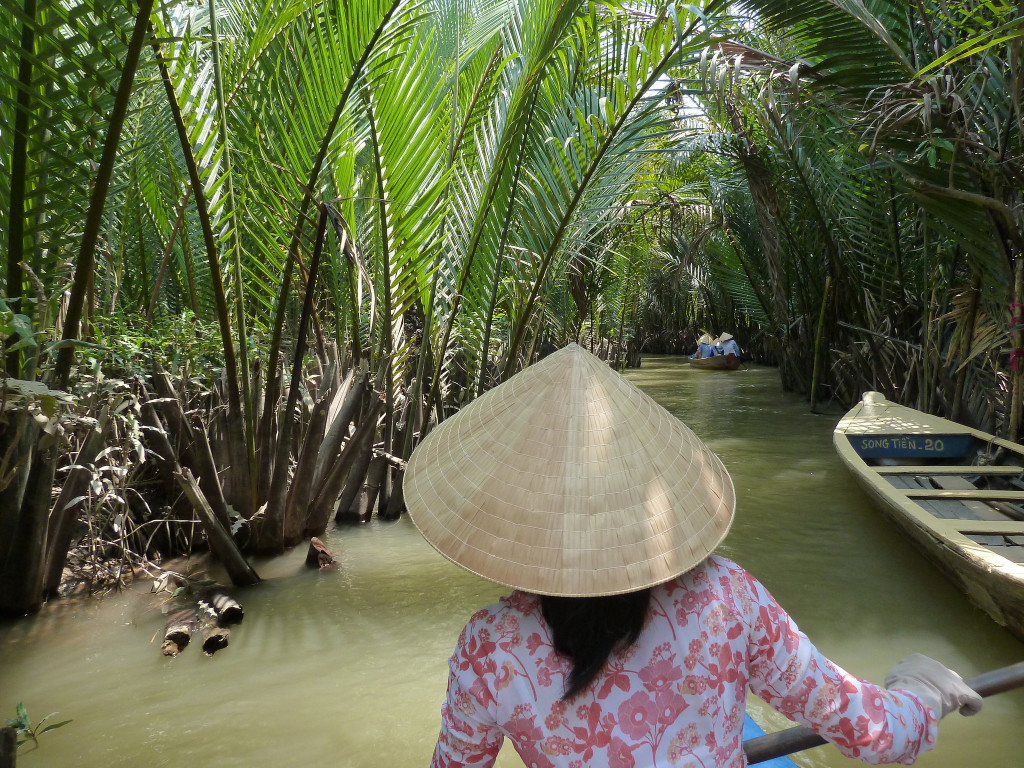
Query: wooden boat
point(957, 492)
point(717, 362)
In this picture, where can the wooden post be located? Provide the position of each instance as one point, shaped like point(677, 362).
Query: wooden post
point(8, 747)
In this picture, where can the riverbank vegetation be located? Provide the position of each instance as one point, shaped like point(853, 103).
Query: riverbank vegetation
point(256, 249)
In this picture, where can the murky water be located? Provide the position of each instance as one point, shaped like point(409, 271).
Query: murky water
point(348, 668)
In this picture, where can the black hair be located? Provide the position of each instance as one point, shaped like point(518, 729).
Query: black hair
point(588, 629)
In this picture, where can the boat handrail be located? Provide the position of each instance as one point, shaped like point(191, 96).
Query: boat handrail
point(947, 469)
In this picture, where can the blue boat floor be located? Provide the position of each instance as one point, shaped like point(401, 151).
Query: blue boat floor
point(751, 730)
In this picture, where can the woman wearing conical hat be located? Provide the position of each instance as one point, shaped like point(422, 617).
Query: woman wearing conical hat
point(727, 345)
point(626, 641)
point(705, 347)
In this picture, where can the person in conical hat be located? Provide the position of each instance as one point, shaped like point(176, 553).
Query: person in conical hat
point(727, 345)
point(626, 641)
point(705, 346)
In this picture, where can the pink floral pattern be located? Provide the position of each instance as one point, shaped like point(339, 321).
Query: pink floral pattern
point(676, 698)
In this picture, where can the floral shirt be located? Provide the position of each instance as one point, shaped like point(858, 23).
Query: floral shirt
point(675, 698)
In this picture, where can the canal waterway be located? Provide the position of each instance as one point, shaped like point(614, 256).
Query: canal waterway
point(348, 667)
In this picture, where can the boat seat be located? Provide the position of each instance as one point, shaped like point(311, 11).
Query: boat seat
point(988, 539)
point(930, 493)
point(948, 509)
point(1011, 510)
point(1013, 554)
point(981, 510)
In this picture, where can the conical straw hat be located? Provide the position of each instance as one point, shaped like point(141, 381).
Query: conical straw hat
point(724, 337)
point(568, 480)
point(705, 339)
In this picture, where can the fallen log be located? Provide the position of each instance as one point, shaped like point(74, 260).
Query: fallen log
point(318, 555)
point(225, 608)
point(178, 629)
point(221, 542)
point(215, 638)
point(170, 648)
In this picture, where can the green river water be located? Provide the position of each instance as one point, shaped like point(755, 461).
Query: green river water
point(348, 667)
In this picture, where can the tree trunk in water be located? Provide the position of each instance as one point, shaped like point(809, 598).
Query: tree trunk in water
point(21, 575)
point(178, 631)
point(264, 445)
point(361, 457)
point(221, 543)
point(62, 517)
point(371, 487)
point(215, 638)
point(363, 454)
point(300, 493)
point(17, 448)
point(383, 493)
point(318, 556)
point(223, 606)
point(342, 471)
point(396, 501)
point(354, 485)
point(271, 536)
point(351, 394)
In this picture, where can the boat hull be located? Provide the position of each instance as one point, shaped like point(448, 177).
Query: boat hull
point(716, 363)
point(955, 543)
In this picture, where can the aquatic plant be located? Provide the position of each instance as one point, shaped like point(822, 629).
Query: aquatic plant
point(26, 731)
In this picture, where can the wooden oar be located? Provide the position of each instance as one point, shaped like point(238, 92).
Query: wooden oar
point(801, 737)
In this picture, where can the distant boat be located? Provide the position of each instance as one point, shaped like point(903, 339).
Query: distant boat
point(717, 362)
point(957, 492)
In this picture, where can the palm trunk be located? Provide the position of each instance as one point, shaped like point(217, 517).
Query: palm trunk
point(244, 475)
point(21, 574)
point(62, 517)
point(967, 335)
point(167, 255)
point(271, 395)
point(85, 264)
point(241, 494)
point(221, 543)
point(19, 173)
point(768, 211)
point(271, 535)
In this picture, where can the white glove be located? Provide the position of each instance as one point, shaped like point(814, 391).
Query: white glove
point(940, 688)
